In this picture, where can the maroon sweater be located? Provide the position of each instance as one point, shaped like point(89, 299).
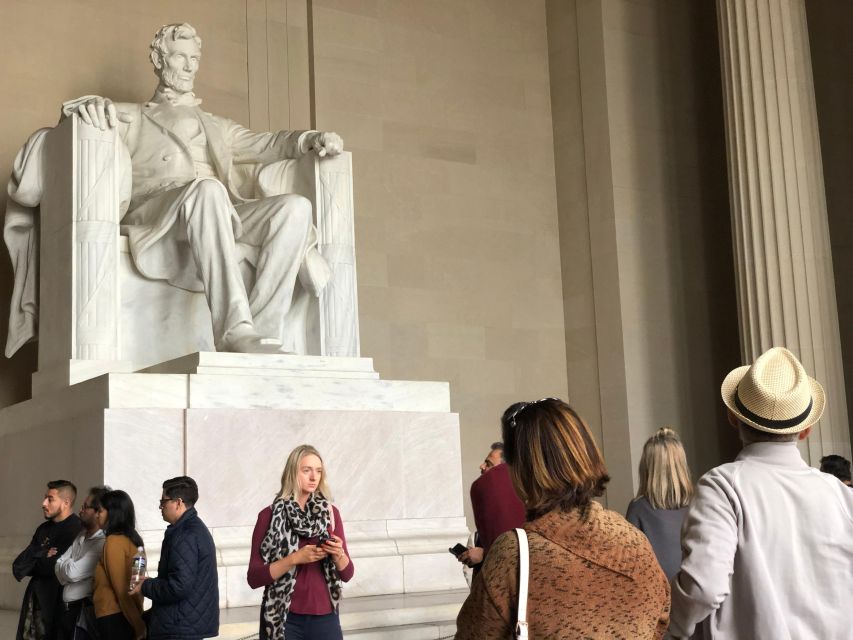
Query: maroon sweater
point(310, 594)
point(496, 506)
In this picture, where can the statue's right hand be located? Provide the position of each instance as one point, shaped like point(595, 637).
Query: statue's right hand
point(101, 113)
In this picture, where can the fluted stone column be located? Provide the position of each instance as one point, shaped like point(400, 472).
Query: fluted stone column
point(785, 283)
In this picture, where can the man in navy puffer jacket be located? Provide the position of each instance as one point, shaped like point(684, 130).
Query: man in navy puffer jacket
point(185, 593)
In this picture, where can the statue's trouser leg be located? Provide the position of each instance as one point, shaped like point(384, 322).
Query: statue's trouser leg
point(280, 226)
point(206, 214)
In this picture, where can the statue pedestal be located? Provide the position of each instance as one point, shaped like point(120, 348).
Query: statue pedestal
point(391, 449)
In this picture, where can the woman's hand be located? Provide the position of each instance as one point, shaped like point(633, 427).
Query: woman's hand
point(334, 547)
point(308, 554)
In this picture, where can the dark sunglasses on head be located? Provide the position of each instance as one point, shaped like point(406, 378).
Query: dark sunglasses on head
point(511, 419)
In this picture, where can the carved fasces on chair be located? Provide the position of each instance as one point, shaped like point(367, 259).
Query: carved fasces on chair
point(97, 212)
point(335, 227)
point(80, 213)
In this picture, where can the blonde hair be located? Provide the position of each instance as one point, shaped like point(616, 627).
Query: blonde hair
point(290, 475)
point(664, 474)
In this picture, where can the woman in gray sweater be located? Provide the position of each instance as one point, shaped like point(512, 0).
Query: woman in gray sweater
point(661, 502)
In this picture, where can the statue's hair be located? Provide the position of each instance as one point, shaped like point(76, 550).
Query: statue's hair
point(176, 31)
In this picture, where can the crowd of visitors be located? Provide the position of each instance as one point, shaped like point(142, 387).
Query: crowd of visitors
point(760, 548)
point(86, 581)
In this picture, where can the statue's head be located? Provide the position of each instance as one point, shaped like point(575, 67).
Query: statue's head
point(175, 54)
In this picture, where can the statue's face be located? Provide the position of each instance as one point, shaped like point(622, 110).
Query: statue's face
point(180, 65)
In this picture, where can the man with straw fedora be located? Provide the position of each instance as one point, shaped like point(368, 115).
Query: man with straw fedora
point(768, 540)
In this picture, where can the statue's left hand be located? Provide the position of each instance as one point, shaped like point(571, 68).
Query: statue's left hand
point(325, 143)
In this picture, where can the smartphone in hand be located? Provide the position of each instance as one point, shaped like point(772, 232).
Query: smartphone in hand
point(458, 549)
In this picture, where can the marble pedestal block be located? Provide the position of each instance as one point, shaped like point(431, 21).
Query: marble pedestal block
point(391, 449)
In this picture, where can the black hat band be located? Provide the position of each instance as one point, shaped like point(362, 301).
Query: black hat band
point(767, 422)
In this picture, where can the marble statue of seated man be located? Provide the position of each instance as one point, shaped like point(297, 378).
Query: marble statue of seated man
point(186, 214)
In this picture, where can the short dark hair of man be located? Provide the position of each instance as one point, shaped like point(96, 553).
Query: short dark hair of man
point(182, 487)
point(837, 466)
point(499, 446)
point(64, 487)
point(751, 435)
point(97, 494)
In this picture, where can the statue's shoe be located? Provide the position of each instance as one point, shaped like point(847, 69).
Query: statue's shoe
point(252, 343)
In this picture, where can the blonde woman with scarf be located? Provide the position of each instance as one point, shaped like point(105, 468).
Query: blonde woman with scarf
point(299, 555)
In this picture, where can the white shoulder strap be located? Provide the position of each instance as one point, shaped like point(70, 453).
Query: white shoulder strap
point(333, 519)
point(523, 576)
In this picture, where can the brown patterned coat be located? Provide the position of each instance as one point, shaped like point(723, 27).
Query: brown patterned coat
point(592, 575)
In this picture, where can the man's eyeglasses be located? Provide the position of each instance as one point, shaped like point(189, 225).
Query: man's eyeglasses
point(165, 501)
point(88, 506)
point(524, 405)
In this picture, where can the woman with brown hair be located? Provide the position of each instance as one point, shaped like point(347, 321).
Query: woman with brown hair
point(591, 574)
point(118, 613)
point(661, 502)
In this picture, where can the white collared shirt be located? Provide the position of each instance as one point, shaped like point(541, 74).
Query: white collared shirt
point(768, 551)
point(76, 567)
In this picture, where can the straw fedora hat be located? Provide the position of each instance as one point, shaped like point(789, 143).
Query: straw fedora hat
point(774, 394)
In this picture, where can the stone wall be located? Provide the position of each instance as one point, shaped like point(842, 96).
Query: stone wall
point(648, 283)
point(445, 106)
point(830, 23)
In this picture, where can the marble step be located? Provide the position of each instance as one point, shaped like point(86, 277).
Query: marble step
point(247, 364)
point(405, 616)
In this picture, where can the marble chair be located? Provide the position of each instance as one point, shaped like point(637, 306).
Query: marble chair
point(100, 315)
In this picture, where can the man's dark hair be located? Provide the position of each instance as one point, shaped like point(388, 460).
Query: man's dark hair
point(499, 446)
point(837, 466)
point(182, 487)
point(751, 435)
point(97, 495)
point(64, 486)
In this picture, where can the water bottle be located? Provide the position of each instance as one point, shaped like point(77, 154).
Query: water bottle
point(137, 567)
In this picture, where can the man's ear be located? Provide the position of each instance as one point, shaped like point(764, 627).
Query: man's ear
point(156, 60)
point(802, 435)
point(734, 421)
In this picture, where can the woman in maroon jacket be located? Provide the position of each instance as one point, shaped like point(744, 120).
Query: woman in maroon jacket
point(299, 555)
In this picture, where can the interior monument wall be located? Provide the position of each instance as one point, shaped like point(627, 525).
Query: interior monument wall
point(830, 23)
point(651, 316)
point(445, 106)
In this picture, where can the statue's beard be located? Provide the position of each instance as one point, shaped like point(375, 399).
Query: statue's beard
point(173, 81)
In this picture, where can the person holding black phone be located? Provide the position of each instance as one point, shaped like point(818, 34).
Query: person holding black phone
point(299, 555)
point(496, 507)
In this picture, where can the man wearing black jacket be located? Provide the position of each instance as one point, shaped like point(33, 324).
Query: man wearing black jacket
point(185, 593)
point(42, 605)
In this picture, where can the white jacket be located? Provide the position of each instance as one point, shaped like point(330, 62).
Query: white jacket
point(768, 551)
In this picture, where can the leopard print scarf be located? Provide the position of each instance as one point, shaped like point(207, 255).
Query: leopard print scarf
point(290, 523)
